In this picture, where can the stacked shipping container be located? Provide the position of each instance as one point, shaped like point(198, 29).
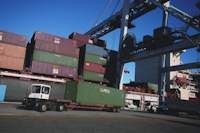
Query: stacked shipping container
point(56, 56)
point(84, 39)
point(48, 54)
point(52, 55)
point(97, 64)
point(12, 50)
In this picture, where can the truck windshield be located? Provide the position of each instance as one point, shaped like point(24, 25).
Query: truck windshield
point(45, 90)
point(36, 89)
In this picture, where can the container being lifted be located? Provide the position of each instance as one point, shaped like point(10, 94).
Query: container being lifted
point(77, 95)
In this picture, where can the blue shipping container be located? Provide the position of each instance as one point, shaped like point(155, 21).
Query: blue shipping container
point(96, 50)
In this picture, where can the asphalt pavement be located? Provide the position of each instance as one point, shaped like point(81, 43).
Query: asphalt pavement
point(15, 118)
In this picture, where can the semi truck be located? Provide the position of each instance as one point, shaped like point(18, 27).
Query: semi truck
point(77, 94)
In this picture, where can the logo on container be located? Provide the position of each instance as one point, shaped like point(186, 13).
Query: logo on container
point(104, 91)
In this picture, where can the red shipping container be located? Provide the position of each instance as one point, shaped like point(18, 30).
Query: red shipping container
point(81, 37)
point(79, 43)
point(62, 49)
point(94, 67)
point(13, 38)
point(99, 42)
point(11, 63)
point(52, 69)
point(54, 39)
point(12, 50)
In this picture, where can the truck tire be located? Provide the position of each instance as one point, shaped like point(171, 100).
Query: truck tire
point(43, 108)
point(60, 107)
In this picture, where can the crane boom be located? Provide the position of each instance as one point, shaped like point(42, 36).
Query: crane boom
point(136, 9)
point(184, 17)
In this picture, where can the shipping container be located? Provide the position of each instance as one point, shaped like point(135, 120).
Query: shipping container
point(62, 49)
point(83, 92)
point(51, 69)
point(53, 39)
point(84, 39)
point(57, 59)
point(95, 50)
point(145, 85)
point(94, 67)
point(96, 42)
point(96, 59)
point(93, 76)
point(109, 62)
point(99, 42)
point(81, 37)
point(80, 44)
point(14, 39)
point(11, 63)
point(12, 50)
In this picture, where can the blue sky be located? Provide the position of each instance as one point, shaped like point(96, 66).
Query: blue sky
point(62, 17)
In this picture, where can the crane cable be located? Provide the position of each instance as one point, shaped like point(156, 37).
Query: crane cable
point(115, 8)
point(102, 13)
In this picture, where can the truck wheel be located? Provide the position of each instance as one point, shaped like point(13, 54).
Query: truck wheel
point(60, 107)
point(117, 109)
point(43, 108)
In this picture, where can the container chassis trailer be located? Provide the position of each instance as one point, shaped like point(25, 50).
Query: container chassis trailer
point(37, 97)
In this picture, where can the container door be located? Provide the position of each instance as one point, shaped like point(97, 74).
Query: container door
point(2, 92)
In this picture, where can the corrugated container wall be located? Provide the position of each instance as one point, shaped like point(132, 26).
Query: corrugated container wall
point(12, 50)
point(11, 63)
point(54, 39)
point(84, 39)
point(83, 92)
point(97, 64)
point(94, 76)
point(56, 55)
point(94, 67)
point(51, 69)
point(57, 59)
point(14, 39)
point(63, 49)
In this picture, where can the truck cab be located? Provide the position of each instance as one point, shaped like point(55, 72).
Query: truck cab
point(36, 94)
point(39, 91)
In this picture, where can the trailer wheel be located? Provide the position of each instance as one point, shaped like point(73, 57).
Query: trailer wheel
point(43, 108)
point(60, 107)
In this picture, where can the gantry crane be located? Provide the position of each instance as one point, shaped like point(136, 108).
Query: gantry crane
point(123, 19)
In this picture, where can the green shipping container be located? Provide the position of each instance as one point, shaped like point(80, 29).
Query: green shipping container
point(57, 59)
point(153, 86)
point(83, 92)
point(95, 59)
point(93, 76)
